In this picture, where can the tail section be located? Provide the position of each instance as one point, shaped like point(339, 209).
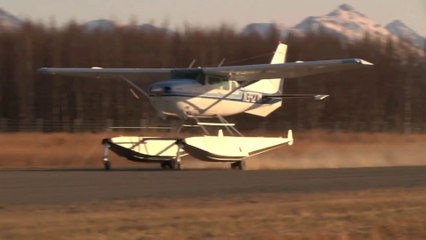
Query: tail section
point(269, 86)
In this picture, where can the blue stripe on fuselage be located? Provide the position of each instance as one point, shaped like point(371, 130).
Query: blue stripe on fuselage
point(237, 98)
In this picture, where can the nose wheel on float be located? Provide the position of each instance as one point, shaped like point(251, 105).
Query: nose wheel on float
point(106, 162)
point(172, 165)
point(176, 163)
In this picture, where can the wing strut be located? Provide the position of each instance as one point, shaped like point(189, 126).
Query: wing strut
point(135, 86)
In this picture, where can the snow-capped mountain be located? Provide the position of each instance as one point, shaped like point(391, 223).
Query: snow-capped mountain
point(346, 23)
point(8, 21)
point(399, 29)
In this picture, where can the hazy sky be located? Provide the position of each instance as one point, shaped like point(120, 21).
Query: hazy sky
point(212, 13)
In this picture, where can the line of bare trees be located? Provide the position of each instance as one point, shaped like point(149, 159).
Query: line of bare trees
point(391, 95)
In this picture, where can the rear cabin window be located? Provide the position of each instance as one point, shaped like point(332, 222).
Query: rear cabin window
point(218, 82)
point(234, 85)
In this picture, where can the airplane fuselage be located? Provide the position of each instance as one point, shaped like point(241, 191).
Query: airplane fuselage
point(186, 98)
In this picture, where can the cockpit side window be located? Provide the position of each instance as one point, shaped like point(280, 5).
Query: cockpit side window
point(213, 80)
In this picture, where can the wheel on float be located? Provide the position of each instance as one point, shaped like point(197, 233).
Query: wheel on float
point(239, 165)
point(107, 165)
point(176, 165)
point(165, 165)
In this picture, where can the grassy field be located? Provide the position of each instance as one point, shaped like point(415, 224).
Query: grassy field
point(310, 150)
point(380, 214)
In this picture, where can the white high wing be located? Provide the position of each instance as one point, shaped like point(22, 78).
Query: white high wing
point(210, 92)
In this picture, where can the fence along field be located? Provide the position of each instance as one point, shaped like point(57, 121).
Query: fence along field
point(80, 126)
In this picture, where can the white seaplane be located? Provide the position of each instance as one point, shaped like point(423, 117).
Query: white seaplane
point(209, 92)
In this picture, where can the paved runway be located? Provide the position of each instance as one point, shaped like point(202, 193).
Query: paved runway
point(68, 186)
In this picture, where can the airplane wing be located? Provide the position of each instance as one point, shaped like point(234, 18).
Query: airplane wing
point(286, 70)
point(97, 72)
point(236, 73)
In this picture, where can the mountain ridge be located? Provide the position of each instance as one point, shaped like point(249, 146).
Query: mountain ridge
point(345, 22)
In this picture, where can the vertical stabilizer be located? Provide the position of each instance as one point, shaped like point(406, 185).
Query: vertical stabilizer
point(269, 86)
point(280, 54)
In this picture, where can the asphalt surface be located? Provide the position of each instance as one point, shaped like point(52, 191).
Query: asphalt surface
point(73, 186)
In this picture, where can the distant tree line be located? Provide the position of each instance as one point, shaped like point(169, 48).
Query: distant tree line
point(390, 96)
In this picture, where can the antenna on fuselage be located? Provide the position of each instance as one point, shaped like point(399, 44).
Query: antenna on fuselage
point(191, 65)
point(221, 62)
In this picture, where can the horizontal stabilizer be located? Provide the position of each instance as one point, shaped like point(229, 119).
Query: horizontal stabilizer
point(318, 97)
